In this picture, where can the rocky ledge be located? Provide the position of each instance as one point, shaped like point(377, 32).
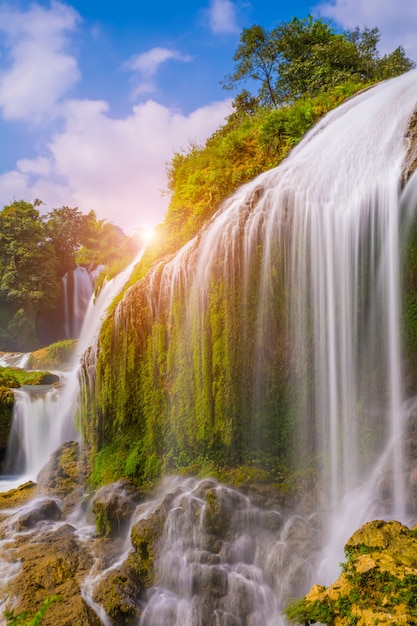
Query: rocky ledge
point(378, 583)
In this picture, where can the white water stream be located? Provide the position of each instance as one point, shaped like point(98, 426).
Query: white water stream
point(44, 415)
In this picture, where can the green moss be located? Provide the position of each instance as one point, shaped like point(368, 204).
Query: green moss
point(14, 377)
point(55, 356)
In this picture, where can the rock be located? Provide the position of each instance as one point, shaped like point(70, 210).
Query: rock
point(49, 379)
point(211, 580)
point(300, 535)
point(120, 594)
point(61, 475)
point(53, 563)
point(377, 584)
point(16, 497)
point(112, 507)
point(40, 510)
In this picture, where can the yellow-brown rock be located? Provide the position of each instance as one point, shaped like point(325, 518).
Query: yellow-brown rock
point(378, 584)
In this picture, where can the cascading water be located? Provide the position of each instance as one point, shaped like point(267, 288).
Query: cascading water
point(78, 288)
point(301, 269)
point(43, 416)
point(327, 226)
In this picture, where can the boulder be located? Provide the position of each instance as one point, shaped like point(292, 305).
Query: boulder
point(40, 509)
point(113, 506)
point(377, 584)
point(17, 497)
point(62, 474)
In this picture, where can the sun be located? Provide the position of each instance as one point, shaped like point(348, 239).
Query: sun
point(148, 234)
point(145, 235)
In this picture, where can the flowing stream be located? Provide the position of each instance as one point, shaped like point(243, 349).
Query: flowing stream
point(337, 209)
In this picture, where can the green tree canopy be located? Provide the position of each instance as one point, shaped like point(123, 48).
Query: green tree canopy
point(36, 251)
point(304, 56)
point(67, 228)
point(28, 267)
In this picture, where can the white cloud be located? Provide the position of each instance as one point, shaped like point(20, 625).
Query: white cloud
point(35, 70)
point(396, 20)
point(222, 17)
point(147, 65)
point(39, 165)
point(117, 167)
point(113, 166)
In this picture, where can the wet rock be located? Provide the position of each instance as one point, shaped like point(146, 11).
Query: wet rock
point(53, 563)
point(145, 536)
point(300, 536)
point(49, 379)
point(220, 505)
point(16, 497)
point(211, 580)
point(112, 507)
point(40, 510)
point(242, 550)
point(120, 593)
point(61, 475)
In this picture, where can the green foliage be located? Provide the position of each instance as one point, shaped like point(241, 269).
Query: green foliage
point(35, 252)
point(24, 619)
point(66, 228)
point(14, 377)
point(256, 59)
point(303, 57)
point(303, 612)
point(378, 578)
point(55, 356)
point(28, 274)
point(247, 145)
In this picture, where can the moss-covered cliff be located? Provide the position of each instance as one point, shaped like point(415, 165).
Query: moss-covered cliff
point(172, 382)
point(193, 368)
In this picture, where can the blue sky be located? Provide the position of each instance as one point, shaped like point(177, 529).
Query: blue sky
point(96, 96)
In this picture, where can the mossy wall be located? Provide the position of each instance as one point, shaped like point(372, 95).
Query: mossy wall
point(191, 368)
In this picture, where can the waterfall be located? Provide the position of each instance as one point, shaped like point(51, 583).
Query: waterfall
point(14, 359)
point(78, 288)
point(34, 434)
point(43, 415)
point(296, 283)
point(276, 333)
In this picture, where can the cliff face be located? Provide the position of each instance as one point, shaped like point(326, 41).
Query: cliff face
point(201, 365)
point(187, 370)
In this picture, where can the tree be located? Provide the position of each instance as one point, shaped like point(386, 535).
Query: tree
point(311, 57)
point(28, 272)
point(306, 56)
point(66, 229)
point(255, 58)
point(394, 64)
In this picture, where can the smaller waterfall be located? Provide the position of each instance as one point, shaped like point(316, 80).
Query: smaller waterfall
point(78, 288)
point(35, 431)
point(43, 416)
point(221, 560)
point(14, 359)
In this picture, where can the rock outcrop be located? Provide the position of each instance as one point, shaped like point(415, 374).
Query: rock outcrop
point(378, 584)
